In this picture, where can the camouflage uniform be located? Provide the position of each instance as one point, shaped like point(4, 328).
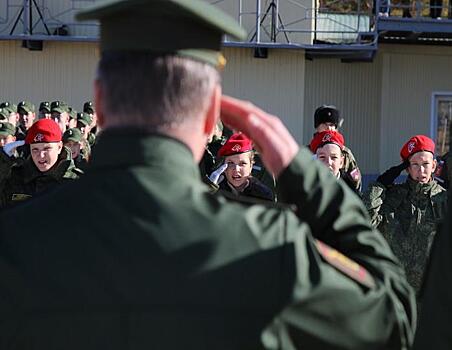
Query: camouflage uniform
point(407, 214)
point(351, 169)
point(21, 180)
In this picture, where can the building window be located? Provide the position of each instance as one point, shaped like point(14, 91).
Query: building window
point(441, 120)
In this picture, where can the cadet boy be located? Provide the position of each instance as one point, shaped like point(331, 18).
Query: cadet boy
point(13, 117)
point(407, 214)
point(236, 178)
point(327, 117)
point(7, 133)
point(49, 165)
point(27, 116)
point(44, 110)
point(60, 114)
point(160, 263)
point(88, 108)
point(328, 146)
point(73, 139)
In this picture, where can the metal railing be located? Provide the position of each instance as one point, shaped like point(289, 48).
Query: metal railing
point(284, 23)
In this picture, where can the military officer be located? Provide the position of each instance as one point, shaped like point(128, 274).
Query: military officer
point(327, 117)
point(159, 262)
point(49, 165)
point(407, 214)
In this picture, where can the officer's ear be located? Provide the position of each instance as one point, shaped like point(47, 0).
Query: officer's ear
point(213, 111)
point(435, 163)
point(60, 146)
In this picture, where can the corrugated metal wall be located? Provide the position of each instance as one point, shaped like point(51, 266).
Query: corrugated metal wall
point(410, 75)
point(60, 71)
point(276, 84)
point(354, 88)
point(383, 102)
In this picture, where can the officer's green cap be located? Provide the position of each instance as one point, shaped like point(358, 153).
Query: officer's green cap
point(191, 28)
point(88, 107)
point(44, 107)
point(84, 118)
point(59, 107)
point(7, 129)
point(72, 134)
point(25, 107)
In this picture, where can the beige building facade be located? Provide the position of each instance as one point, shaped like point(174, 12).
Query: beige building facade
point(383, 103)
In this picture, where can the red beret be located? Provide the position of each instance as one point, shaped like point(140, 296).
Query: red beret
point(237, 143)
point(44, 130)
point(416, 144)
point(327, 136)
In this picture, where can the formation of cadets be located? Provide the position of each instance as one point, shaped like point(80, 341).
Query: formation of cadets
point(44, 148)
point(407, 213)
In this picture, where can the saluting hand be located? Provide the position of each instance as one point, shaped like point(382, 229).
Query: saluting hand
point(276, 145)
point(388, 177)
point(215, 176)
point(9, 148)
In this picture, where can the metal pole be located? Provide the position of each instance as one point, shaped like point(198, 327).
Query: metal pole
point(30, 17)
point(258, 21)
point(26, 16)
point(240, 12)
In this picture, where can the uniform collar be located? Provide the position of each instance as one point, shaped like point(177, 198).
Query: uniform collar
point(122, 147)
point(416, 187)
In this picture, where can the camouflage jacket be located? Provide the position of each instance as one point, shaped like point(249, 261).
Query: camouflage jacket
point(407, 214)
point(351, 169)
point(21, 180)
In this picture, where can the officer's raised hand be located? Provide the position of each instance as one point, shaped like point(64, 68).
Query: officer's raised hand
point(388, 177)
point(215, 176)
point(9, 148)
point(276, 145)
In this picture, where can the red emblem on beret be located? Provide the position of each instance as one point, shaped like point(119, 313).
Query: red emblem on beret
point(324, 137)
point(417, 143)
point(237, 143)
point(44, 130)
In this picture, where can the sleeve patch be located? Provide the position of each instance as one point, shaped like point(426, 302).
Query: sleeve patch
point(345, 265)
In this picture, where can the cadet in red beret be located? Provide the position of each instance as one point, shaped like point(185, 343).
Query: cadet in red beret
point(328, 146)
point(238, 163)
point(328, 118)
point(408, 213)
point(50, 164)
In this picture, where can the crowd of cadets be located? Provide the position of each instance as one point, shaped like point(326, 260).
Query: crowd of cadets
point(43, 150)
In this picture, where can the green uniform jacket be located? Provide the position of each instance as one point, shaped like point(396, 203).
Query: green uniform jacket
point(407, 214)
point(436, 317)
point(160, 263)
point(21, 180)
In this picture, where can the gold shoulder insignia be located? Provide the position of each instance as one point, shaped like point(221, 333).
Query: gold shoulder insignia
point(20, 196)
point(345, 265)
